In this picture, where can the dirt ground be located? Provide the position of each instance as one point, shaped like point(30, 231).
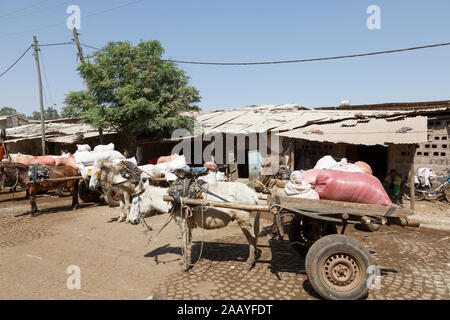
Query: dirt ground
point(117, 262)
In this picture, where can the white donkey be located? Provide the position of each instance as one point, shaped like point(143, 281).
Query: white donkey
point(147, 198)
point(210, 218)
point(106, 174)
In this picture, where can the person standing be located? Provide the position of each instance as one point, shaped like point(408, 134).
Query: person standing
point(392, 185)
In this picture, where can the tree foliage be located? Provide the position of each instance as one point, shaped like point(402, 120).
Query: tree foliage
point(7, 111)
point(133, 91)
point(49, 114)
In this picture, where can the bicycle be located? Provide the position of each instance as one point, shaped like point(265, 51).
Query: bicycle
point(421, 191)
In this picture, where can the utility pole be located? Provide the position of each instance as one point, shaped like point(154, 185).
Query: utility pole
point(36, 57)
point(80, 55)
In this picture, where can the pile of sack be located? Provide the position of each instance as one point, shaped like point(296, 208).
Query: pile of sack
point(85, 156)
point(339, 181)
point(64, 160)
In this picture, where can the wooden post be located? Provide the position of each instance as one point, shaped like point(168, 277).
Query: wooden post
point(81, 56)
point(412, 186)
point(292, 155)
point(41, 101)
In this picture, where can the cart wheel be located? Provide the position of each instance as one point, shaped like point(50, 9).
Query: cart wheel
point(446, 193)
point(304, 231)
point(111, 198)
point(418, 195)
point(336, 266)
point(86, 194)
point(61, 192)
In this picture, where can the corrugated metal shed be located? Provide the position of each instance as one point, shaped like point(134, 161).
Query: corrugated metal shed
point(54, 132)
point(407, 130)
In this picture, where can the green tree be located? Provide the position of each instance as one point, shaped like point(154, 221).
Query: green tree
point(6, 111)
point(133, 91)
point(49, 114)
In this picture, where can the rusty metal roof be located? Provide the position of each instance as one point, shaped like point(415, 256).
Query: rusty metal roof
point(375, 131)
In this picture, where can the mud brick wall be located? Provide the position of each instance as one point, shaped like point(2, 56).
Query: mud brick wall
point(435, 153)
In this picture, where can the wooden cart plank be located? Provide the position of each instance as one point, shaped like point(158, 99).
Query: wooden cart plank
point(347, 207)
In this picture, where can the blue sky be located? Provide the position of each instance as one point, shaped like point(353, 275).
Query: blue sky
point(232, 31)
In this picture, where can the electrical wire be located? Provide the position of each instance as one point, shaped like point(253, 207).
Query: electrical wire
point(37, 11)
point(311, 59)
point(300, 60)
point(25, 8)
point(15, 62)
point(49, 91)
point(62, 23)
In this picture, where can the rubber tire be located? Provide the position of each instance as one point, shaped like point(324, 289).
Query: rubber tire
point(86, 195)
point(61, 193)
point(110, 198)
point(294, 231)
point(446, 193)
point(406, 193)
point(320, 251)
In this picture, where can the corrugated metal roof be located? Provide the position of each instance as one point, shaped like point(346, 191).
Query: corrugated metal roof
point(367, 132)
point(55, 132)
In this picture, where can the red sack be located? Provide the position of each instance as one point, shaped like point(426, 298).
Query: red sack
point(167, 158)
point(310, 175)
point(1, 152)
point(66, 161)
point(211, 166)
point(351, 186)
point(44, 160)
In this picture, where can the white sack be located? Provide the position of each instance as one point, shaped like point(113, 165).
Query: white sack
point(83, 147)
point(104, 147)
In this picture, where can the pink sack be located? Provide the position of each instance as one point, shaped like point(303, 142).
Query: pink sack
point(44, 160)
point(351, 186)
point(211, 166)
point(24, 159)
point(364, 167)
point(66, 161)
point(310, 175)
point(167, 158)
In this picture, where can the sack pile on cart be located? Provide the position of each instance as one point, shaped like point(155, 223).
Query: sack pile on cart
point(339, 181)
point(85, 157)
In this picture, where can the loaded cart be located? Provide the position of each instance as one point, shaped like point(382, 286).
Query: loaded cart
point(336, 265)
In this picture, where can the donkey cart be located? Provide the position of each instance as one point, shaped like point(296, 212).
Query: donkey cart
point(337, 266)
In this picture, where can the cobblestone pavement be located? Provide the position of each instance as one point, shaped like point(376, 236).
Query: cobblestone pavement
point(414, 265)
point(118, 263)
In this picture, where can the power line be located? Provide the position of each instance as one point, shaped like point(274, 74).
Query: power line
point(38, 11)
point(55, 44)
point(22, 9)
point(62, 23)
point(15, 62)
point(300, 60)
point(311, 59)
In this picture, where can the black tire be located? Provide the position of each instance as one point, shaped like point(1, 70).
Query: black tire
point(341, 254)
point(407, 193)
point(111, 198)
point(62, 193)
point(446, 193)
point(86, 195)
point(304, 231)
